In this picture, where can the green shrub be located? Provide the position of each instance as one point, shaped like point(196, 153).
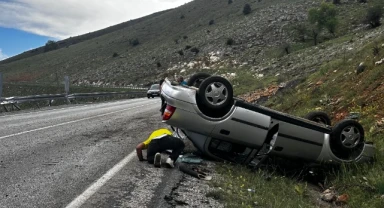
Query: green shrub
point(247, 9)
point(134, 42)
point(230, 41)
point(180, 52)
point(301, 30)
point(374, 15)
point(50, 46)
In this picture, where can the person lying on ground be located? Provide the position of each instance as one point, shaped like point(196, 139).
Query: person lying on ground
point(159, 141)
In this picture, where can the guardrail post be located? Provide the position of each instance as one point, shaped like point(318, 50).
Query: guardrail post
point(1, 85)
point(66, 86)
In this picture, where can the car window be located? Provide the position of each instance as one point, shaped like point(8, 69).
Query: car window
point(154, 87)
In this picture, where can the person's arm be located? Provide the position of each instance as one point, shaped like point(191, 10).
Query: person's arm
point(139, 151)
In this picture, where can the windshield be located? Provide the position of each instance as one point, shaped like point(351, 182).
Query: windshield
point(154, 87)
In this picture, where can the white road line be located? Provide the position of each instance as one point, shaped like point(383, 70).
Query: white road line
point(82, 198)
point(69, 122)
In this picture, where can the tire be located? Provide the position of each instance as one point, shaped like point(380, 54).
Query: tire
point(344, 129)
point(148, 97)
point(215, 93)
point(197, 79)
point(319, 117)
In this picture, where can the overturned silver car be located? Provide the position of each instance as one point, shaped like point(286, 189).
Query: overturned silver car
point(227, 128)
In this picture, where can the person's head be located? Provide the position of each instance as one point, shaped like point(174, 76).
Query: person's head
point(180, 79)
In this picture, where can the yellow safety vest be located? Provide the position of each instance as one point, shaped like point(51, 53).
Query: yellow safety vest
point(156, 135)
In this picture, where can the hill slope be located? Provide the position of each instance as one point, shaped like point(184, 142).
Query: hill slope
point(162, 35)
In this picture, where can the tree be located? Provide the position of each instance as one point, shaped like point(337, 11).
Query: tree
point(324, 17)
point(331, 25)
point(247, 9)
point(315, 34)
point(51, 45)
point(374, 15)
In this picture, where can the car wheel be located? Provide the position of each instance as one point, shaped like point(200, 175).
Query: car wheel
point(148, 97)
point(197, 79)
point(319, 117)
point(348, 135)
point(215, 92)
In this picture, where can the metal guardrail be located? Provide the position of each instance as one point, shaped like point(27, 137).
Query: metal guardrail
point(21, 99)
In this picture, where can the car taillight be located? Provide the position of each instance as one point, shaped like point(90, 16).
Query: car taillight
point(169, 110)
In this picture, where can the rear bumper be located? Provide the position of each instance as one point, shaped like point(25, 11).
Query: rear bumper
point(154, 94)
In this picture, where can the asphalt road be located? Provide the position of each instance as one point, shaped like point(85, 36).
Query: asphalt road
point(81, 156)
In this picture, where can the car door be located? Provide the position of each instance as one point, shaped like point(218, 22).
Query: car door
point(243, 126)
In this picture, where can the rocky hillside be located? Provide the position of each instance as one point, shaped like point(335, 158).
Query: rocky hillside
point(202, 35)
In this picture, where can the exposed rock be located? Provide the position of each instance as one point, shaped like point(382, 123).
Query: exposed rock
point(360, 68)
point(380, 123)
point(379, 62)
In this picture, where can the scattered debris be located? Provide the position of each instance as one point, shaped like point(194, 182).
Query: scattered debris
point(353, 115)
point(195, 172)
point(328, 195)
point(189, 158)
point(319, 83)
point(342, 199)
point(194, 192)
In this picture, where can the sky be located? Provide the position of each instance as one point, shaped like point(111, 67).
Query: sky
point(27, 24)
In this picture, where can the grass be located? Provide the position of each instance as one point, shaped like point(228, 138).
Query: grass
point(240, 187)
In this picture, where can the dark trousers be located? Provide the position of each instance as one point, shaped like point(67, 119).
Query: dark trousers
point(165, 143)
